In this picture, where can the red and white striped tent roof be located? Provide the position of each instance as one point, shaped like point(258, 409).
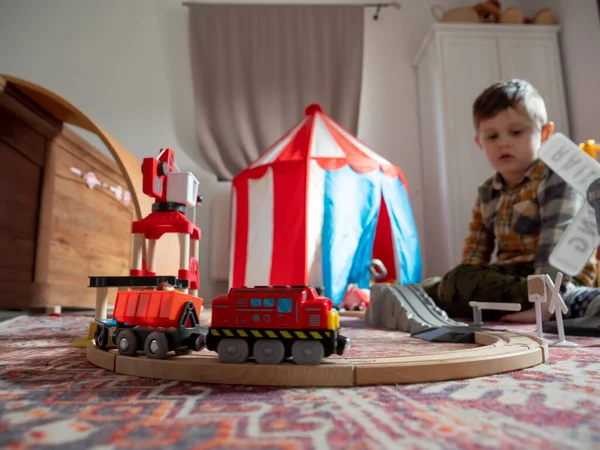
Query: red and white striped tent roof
point(322, 139)
point(280, 200)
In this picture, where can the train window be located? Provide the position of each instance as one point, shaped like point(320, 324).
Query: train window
point(284, 305)
point(268, 302)
point(255, 302)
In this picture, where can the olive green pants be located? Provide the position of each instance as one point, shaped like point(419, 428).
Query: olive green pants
point(506, 283)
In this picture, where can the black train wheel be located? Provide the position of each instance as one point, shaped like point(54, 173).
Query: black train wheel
point(127, 343)
point(101, 337)
point(156, 345)
point(233, 351)
point(308, 353)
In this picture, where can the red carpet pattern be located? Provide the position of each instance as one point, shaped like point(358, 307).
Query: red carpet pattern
point(51, 398)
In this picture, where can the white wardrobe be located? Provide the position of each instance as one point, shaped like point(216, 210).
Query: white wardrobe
point(454, 64)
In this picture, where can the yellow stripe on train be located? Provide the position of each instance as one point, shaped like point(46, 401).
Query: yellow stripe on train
point(269, 333)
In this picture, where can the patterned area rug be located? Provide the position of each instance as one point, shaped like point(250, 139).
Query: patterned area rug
point(51, 397)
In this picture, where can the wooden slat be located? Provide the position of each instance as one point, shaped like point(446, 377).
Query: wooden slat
point(20, 179)
point(91, 228)
point(16, 294)
point(20, 136)
point(17, 257)
point(71, 143)
point(19, 203)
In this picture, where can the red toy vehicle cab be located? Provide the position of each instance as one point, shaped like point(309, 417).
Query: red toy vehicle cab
point(271, 323)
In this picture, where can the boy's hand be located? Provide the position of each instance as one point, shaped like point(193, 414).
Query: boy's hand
point(527, 316)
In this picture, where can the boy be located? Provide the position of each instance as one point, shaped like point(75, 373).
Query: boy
point(522, 209)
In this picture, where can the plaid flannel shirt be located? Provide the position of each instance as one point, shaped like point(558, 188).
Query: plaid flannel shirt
point(525, 222)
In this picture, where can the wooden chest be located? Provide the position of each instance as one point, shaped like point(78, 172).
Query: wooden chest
point(65, 211)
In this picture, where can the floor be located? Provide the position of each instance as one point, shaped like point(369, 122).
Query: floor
point(7, 314)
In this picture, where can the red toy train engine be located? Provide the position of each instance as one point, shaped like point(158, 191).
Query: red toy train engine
point(272, 323)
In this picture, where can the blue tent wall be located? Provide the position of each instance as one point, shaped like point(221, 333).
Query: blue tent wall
point(351, 210)
point(404, 230)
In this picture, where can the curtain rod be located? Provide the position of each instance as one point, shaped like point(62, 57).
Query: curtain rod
point(378, 6)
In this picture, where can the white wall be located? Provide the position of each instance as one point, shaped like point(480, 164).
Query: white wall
point(126, 64)
point(579, 40)
point(580, 43)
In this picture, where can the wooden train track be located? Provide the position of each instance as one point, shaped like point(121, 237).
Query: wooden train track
point(498, 352)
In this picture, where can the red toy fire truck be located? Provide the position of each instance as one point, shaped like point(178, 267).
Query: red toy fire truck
point(272, 323)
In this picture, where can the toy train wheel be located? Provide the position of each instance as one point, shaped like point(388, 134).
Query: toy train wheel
point(156, 345)
point(233, 351)
point(308, 353)
point(268, 351)
point(101, 337)
point(199, 342)
point(127, 343)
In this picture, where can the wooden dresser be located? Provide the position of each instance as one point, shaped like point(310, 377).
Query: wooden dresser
point(57, 225)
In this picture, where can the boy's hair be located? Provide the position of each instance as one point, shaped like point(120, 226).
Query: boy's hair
point(517, 94)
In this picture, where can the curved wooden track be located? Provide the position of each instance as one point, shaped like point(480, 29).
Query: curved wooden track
point(499, 352)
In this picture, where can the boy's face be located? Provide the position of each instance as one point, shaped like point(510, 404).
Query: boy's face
point(511, 141)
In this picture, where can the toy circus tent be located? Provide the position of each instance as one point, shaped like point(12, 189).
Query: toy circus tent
point(316, 208)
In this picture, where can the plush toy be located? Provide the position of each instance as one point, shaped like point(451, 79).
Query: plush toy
point(543, 17)
point(355, 299)
point(488, 12)
point(514, 15)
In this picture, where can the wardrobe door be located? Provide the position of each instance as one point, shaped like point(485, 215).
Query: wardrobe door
point(470, 63)
point(537, 60)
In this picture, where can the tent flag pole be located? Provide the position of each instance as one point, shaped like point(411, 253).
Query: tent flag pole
point(394, 4)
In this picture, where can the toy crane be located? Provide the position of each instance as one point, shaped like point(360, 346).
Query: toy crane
point(174, 193)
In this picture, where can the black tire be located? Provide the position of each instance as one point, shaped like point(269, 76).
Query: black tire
point(156, 345)
point(197, 342)
point(101, 337)
point(127, 343)
point(233, 350)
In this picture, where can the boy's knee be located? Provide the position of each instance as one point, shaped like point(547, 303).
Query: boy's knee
point(462, 280)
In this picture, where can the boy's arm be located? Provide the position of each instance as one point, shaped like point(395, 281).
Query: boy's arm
point(479, 244)
point(559, 203)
